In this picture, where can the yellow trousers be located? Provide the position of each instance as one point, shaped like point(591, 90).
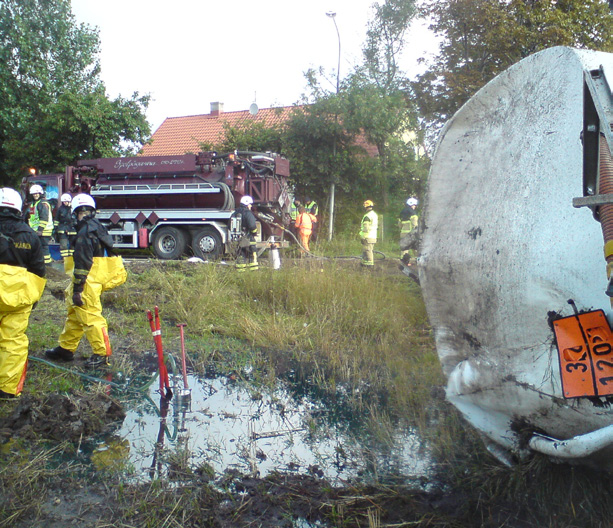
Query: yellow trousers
point(19, 290)
point(105, 274)
point(14, 349)
point(86, 319)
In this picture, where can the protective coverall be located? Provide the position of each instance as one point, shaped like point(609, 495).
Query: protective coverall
point(312, 208)
point(92, 274)
point(304, 224)
point(247, 257)
point(41, 221)
point(368, 237)
point(64, 229)
point(407, 222)
point(22, 272)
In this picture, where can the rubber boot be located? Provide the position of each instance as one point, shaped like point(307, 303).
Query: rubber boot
point(59, 353)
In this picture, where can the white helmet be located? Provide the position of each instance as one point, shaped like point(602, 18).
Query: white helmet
point(66, 198)
point(412, 201)
point(10, 198)
point(247, 200)
point(36, 189)
point(82, 200)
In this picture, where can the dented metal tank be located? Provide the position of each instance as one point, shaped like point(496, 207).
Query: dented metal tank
point(508, 259)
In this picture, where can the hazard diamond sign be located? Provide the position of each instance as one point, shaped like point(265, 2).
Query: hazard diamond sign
point(585, 351)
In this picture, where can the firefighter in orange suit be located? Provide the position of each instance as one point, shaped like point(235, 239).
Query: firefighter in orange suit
point(92, 273)
point(304, 225)
point(22, 272)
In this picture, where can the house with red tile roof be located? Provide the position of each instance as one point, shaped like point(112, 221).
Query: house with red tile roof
point(183, 135)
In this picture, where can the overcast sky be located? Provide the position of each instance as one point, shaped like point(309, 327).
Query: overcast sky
point(189, 53)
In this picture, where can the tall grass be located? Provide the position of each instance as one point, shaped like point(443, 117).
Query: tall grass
point(347, 326)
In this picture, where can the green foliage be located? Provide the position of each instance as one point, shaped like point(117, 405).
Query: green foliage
point(53, 106)
point(481, 38)
point(364, 138)
point(385, 40)
point(322, 151)
point(252, 136)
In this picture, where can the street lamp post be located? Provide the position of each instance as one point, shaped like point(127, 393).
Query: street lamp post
point(332, 15)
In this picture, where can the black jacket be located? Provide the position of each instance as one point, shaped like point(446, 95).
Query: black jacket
point(248, 221)
point(20, 246)
point(64, 221)
point(407, 212)
point(91, 241)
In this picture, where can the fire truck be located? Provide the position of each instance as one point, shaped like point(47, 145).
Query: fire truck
point(179, 205)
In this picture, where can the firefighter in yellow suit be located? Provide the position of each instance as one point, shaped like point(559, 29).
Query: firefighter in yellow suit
point(368, 234)
point(92, 273)
point(22, 272)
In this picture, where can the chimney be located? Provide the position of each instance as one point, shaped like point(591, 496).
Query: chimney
point(216, 108)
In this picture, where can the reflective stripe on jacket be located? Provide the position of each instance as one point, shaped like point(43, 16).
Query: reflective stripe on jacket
point(406, 226)
point(312, 207)
point(370, 224)
point(64, 222)
point(40, 217)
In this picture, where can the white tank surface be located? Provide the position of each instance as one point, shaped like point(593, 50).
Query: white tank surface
point(504, 250)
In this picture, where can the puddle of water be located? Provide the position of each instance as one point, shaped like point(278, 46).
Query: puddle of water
point(226, 424)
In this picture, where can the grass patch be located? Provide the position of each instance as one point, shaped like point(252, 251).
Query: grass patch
point(347, 326)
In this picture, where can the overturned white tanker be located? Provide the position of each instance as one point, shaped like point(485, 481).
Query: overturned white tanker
point(518, 210)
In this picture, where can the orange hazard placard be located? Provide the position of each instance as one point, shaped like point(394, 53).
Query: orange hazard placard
point(585, 350)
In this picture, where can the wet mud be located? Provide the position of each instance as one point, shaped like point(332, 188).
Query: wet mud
point(61, 417)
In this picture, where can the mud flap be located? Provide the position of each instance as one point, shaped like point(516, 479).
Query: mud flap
point(585, 352)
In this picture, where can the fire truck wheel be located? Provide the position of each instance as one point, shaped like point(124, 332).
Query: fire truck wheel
point(169, 242)
point(206, 243)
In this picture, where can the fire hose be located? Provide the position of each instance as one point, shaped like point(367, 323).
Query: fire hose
point(266, 219)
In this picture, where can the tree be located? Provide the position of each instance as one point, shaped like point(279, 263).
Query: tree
point(249, 135)
point(481, 38)
point(320, 148)
point(374, 107)
point(385, 41)
point(380, 101)
point(386, 119)
point(53, 106)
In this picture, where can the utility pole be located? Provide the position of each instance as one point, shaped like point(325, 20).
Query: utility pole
point(332, 15)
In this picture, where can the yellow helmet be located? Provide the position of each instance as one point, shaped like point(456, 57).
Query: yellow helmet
point(368, 203)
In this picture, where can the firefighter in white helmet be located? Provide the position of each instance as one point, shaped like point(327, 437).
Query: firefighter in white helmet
point(368, 234)
point(93, 273)
point(247, 257)
point(40, 218)
point(22, 272)
point(407, 222)
point(64, 225)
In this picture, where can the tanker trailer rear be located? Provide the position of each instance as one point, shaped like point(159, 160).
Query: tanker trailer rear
point(511, 262)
